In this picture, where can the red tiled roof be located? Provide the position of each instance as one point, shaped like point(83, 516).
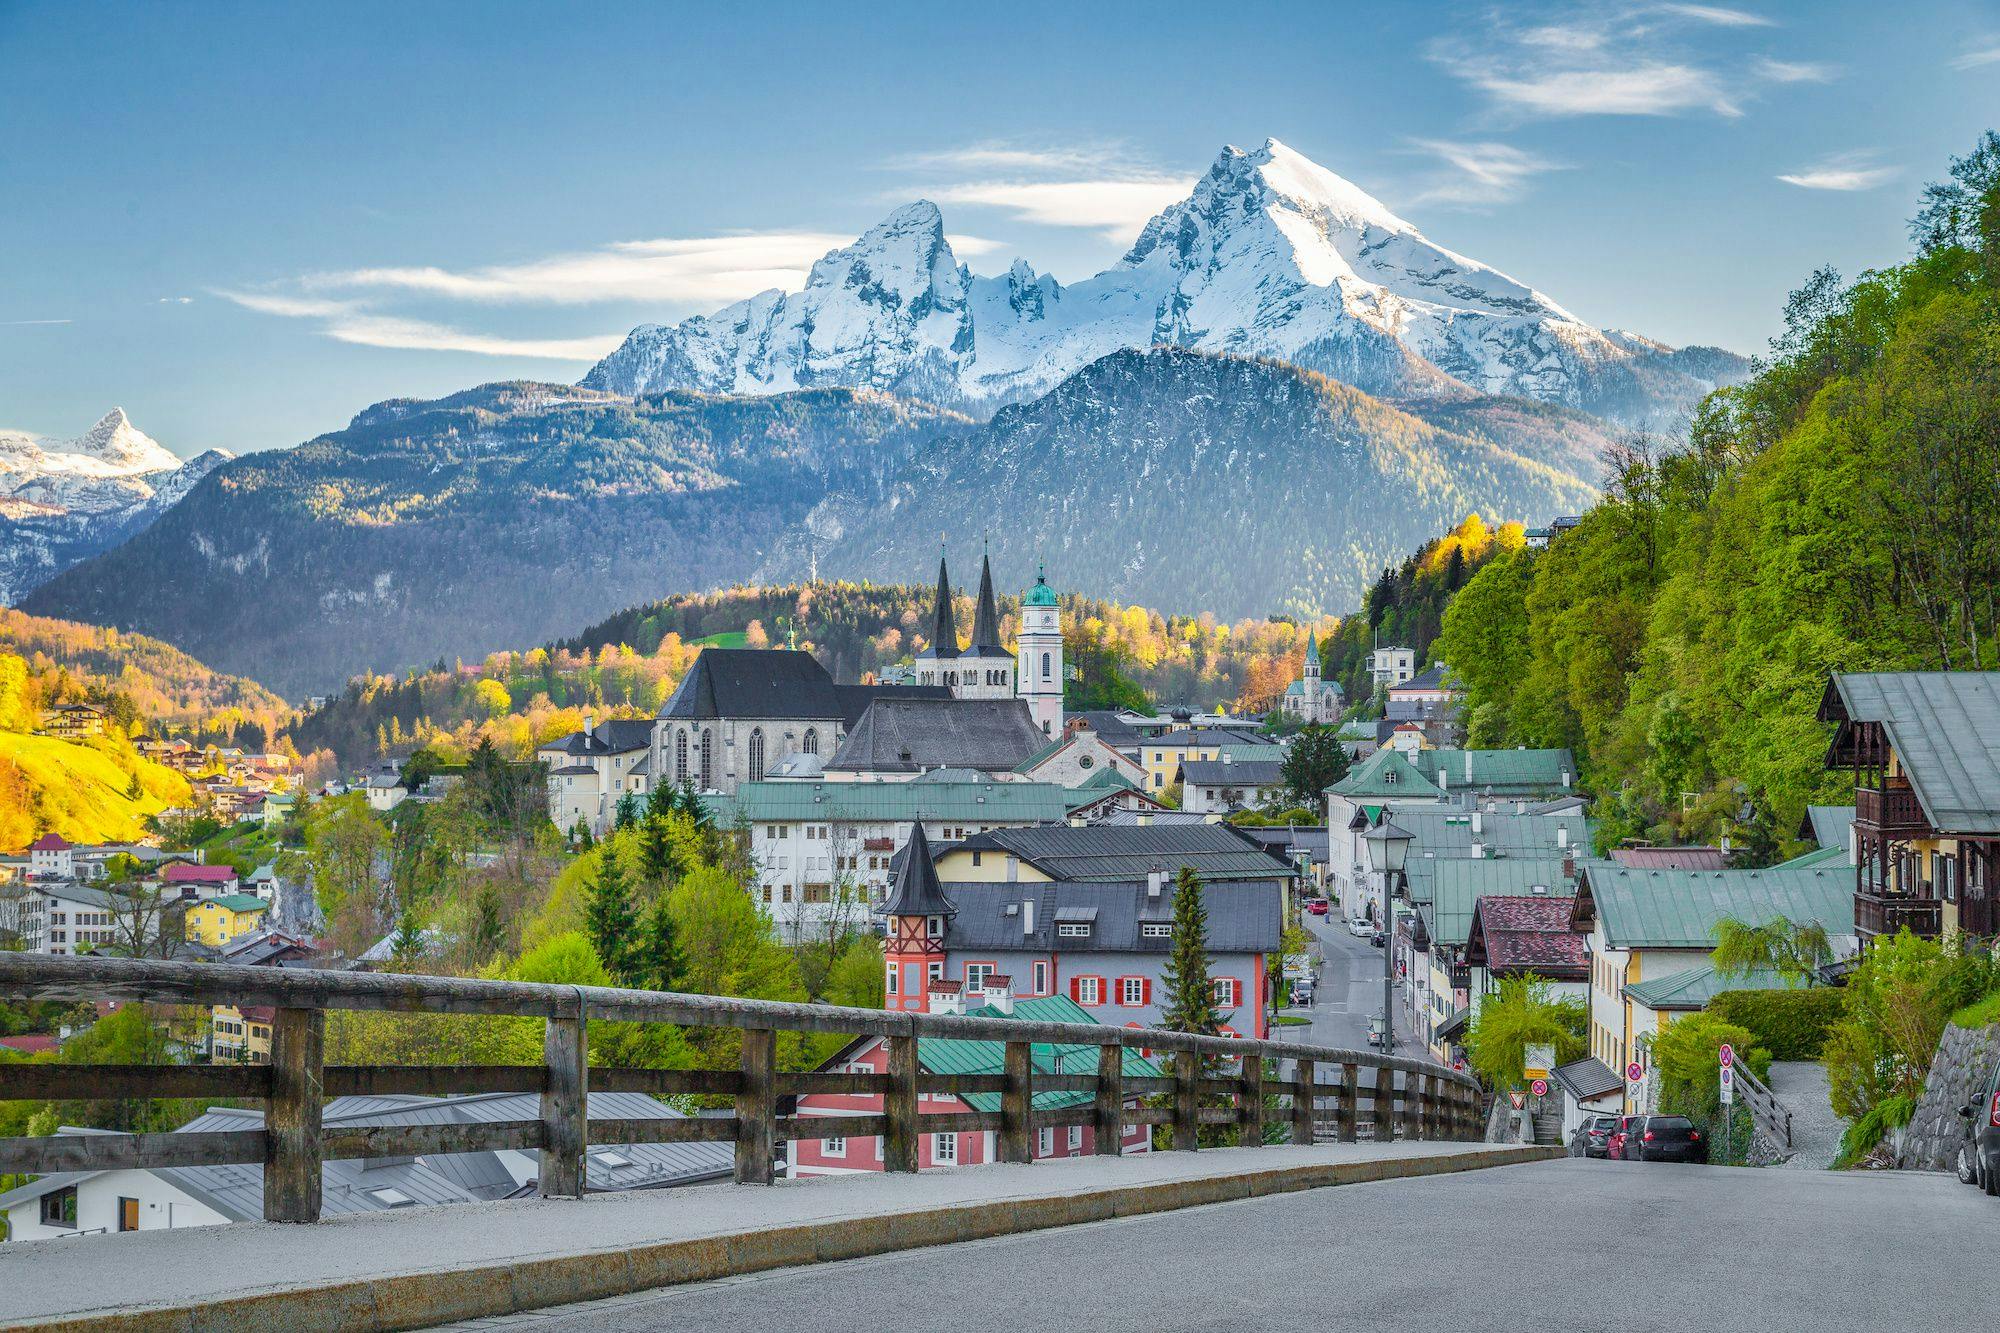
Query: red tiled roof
point(32, 1044)
point(1523, 932)
point(180, 872)
point(49, 842)
point(1670, 858)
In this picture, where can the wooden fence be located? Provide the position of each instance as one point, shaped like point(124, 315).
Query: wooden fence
point(1412, 1098)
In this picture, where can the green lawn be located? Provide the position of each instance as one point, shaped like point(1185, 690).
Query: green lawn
point(729, 639)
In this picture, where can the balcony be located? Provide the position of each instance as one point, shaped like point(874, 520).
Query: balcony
point(1875, 914)
point(1892, 806)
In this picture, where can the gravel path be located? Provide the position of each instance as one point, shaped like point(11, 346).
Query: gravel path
point(1816, 1130)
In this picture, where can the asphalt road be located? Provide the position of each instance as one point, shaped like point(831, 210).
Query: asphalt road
point(1350, 992)
point(1568, 1245)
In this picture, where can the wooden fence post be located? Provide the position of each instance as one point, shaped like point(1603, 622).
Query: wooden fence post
point(1347, 1112)
point(564, 1106)
point(1109, 1126)
point(756, 1107)
point(1382, 1103)
point(1413, 1104)
point(1017, 1102)
point(1187, 1101)
point(292, 1116)
point(899, 1145)
point(1250, 1102)
point(1304, 1072)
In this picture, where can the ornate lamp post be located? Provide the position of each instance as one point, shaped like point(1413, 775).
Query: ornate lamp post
point(1388, 846)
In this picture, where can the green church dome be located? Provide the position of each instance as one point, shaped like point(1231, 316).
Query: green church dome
point(1041, 594)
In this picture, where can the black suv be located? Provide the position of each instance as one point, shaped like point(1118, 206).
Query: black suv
point(1590, 1137)
point(1982, 1137)
point(1667, 1138)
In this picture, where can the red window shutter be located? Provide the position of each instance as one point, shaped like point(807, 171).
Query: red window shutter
point(1146, 991)
point(1076, 989)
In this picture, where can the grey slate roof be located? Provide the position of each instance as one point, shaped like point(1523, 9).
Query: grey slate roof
point(1125, 852)
point(1432, 679)
point(1215, 773)
point(1945, 727)
point(1244, 916)
point(613, 736)
point(1114, 730)
point(1588, 1078)
point(1284, 843)
point(1828, 824)
point(914, 890)
point(775, 683)
point(902, 735)
point(986, 620)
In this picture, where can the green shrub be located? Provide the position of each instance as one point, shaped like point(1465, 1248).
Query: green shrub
point(1791, 1024)
point(1980, 1013)
point(1865, 1134)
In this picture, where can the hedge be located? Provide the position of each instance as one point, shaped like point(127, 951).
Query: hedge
point(1791, 1024)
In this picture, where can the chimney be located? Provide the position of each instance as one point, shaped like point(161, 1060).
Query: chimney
point(1478, 823)
point(1156, 880)
point(1468, 768)
point(1569, 865)
point(1226, 759)
point(1562, 835)
point(1000, 994)
point(1028, 917)
point(944, 997)
point(589, 724)
point(1444, 778)
point(1565, 779)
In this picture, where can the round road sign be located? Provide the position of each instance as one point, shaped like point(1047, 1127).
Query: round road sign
point(1727, 1054)
point(1634, 1072)
point(1540, 1087)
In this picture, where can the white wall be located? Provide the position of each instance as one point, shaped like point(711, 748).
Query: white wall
point(161, 1206)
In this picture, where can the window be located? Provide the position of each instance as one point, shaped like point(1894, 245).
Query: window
point(1045, 1145)
point(944, 1149)
point(59, 1207)
point(1045, 666)
point(1088, 990)
point(756, 754)
point(1228, 992)
point(681, 755)
point(1041, 978)
point(1073, 930)
point(934, 927)
point(935, 972)
point(976, 974)
point(893, 972)
point(1076, 1138)
point(1131, 991)
point(390, 1197)
point(811, 743)
point(1085, 761)
point(975, 858)
point(707, 760)
point(1156, 930)
point(836, 1147)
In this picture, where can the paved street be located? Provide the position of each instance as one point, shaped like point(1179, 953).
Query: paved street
point(1568, 1245)
point(1350, 992)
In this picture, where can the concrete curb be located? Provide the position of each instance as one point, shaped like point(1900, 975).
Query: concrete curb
point(420, 1300)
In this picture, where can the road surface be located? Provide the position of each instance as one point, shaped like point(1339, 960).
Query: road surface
point(1350, 993)
point(1568, 1245)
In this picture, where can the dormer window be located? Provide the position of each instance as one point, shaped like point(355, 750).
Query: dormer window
point(1074, 930)
point(935, 925)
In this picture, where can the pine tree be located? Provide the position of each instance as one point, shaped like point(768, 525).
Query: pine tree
point(579, 835)
point(608, 917)
point(656, 964)
point(657, 859)
point(628, 811)
point(489, 930)
point(1190, 1003)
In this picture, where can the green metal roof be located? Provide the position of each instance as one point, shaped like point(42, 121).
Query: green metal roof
point(238, 902)
point(1449, 832)
point(1041, 594)
point(886, 802)
point(1945, 729)
point(1041, 754)
point(952, 1055)
point(1694, 988)
point(1819, 856)
point(1386, 774)
point(1523, 772)
point(1098, 785)
point(1455, 884)
point(1679, 909)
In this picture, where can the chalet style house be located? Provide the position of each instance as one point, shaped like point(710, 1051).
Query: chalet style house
point(1924, 748)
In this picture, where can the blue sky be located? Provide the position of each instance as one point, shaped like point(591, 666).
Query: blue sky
point(244, 224)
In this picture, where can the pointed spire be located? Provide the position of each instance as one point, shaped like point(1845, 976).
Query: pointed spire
point(986, 624)
point(914, 888)
point(1312, 643)
point(944, 634)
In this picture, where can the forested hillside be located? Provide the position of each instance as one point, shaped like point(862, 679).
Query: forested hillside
point(1840, 511)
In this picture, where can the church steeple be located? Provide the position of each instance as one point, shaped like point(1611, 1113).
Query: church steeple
point(944, 635)
point(986, 623)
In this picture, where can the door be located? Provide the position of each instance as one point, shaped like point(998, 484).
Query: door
point(128, 1214)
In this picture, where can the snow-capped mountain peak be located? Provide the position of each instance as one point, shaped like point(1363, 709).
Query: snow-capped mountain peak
point(1271, 254)
point(118, 444)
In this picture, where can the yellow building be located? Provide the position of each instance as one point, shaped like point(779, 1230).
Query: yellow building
point(216, 921)
point(241, 1036)
point(1162, 756)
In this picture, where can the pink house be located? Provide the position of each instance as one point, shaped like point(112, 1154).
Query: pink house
point(194, 881)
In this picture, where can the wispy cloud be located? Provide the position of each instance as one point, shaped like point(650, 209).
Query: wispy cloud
point(1986, 52)
point(1842, 171)
point(29, 323)
point(354, 322)
point(176, 300)
point(1095, 186)
point(1478, 173)
point(1620, 60)
point(1719, 16)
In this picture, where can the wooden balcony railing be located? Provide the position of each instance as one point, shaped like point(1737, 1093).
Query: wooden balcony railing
point(1877, 914)
point(1890, 806)
point(1422, 1100)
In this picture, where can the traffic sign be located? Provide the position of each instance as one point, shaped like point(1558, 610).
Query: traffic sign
point(1459, 1064)
point(1635, 1072)
point(1540, 1087)
point(1540, 1059)
point(1727, 1054)
point(1517, 1100)
point(1728, 1085)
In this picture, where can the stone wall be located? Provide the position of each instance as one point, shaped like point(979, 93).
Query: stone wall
point(1964, 1061)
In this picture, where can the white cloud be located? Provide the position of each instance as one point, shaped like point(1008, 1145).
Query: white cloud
point(1479, 173)
point(1842, 171)
point(28, 323)
point(1794, 71)
point(353, 322)
point(1719, 16)
point(176, 300)
point(1979, 56)
point(1633, 90)
point(1117, 207)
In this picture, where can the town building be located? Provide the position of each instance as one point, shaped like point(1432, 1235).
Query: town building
point(1428, 688)
point(216, 921)
point(1106, 796)
point(897, 739)
point(1080, 754)
point(839, 1155)
point(1522, 935)
point(189, 882)
point(590, 771)
point(1671, 858)
point(1432, 941)
point(385, 789)
point(1310, 699)
point(1921, 746)
point(986, 669)
point(75, 722)
point(1494, 778)
point(1086, 912)
point(1391, 666)
point(52, 856)
point(1162, 755)
point(1645, 925)
point(240, 1035)
point(1223, 786)
point(58, 916)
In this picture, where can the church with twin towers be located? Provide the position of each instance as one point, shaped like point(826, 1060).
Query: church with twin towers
point(984, 669)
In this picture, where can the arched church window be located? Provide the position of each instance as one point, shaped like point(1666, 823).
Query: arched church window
point(707, 760)
point(1045, 666)
point(681, 755)
point(811, 743)
point(756, 754)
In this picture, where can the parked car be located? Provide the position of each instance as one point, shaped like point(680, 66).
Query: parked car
point(1982, 1137)
point(1624, 1128)
point(1302, 993)
point(1380, 939)
point(1359, 928)
point(1589, 1139)
point(1667, 1138)
point(1317, 906)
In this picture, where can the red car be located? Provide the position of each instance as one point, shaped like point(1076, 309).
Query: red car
point(1317, 906)
point(1614, 1142)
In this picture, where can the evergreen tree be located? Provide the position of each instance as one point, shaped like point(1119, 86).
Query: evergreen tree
point(1314, 761)
point(693, 807)
point(656, 963)
point(579, 836)
point(663, 801)
point(628, 811)
point(658, 861)
point(609, 919)
point(1190, 1003)
point(489, 930)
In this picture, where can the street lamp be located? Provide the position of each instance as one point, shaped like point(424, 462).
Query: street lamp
point(1388, 847)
